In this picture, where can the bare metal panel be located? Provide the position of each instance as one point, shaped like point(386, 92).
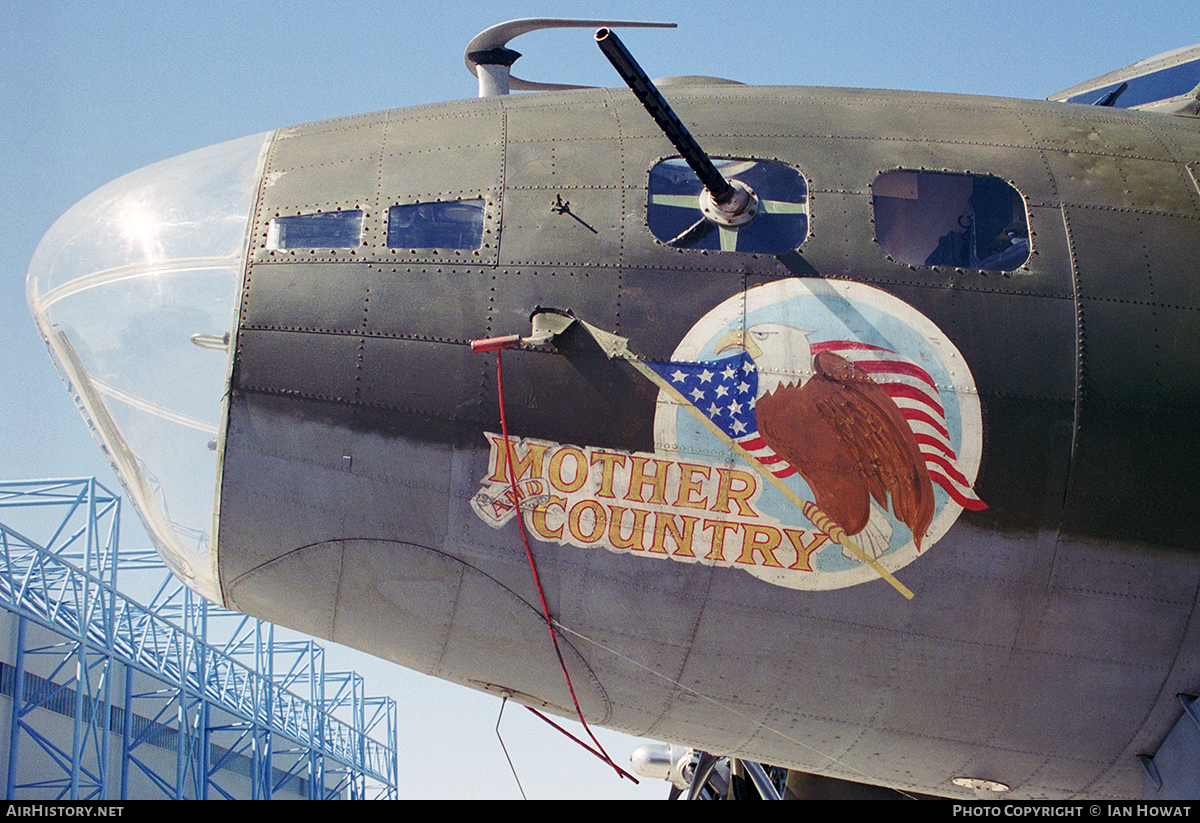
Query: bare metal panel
point(271, 588)
point(433, 378)
point(427, 301)
point(585, 115)
point(313, 297)
point(1101, 237)
point(589, 291)
point(309, 169)
point(534, 233)
point(282, 362)
point(1079, 129)
point(649, 301)
point(379, 585)
point(291, 463)
point(1114, 182)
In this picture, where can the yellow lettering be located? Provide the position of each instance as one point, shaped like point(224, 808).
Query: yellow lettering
point(634, 541)
point(719, 528)
point(581, 469)
point(638, 480)
point(576, 522)
point(761, 539)
point(537, 518)
point(690, 483)
point(803, 552)
point(608, 460)
point(664, 523)
point(726, 491)
point(530, 464)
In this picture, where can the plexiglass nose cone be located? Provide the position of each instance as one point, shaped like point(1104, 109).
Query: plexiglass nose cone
point(135, 289)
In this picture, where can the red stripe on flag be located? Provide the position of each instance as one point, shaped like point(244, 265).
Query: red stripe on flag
point(948, 467)
point(917, 414)
point(971, 503)
point(895, 390)
point(928, 440)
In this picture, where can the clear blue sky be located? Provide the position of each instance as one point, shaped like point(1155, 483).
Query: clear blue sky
point(94, 90)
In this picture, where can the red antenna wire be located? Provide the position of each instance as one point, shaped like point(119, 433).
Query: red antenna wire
point(499, 344)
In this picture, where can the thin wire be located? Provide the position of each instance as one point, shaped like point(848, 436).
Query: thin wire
point(577, 740)
point(706, 698)
point(501, 739)
point(537, 581)
point(551, 624)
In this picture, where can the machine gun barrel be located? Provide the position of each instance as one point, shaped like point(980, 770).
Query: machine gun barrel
point(644, 89)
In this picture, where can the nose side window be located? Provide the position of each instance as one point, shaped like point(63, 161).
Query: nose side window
point(454, 224)
point(779, 224)
point(322, 230)
point(943, 219)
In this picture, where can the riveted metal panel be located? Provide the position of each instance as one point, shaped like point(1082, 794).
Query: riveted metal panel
point(392, 590)
point(607, 399)
point(298, 589)
point(1116, 182)
point(442, 303)
point(867, 113)
point(593, 294)
point(323, 167)
point(1140, 241)
point(368, 120)
point(1048, 269)
point(447, 155)
point(589, 236)
point(294, 468)
point(491, 624)
point(563, 166)
point(837, 246)
point(1141, 353)
point(484, 255)
point(1178, 134)
point(1085, 128)
point(566, 118)
point(1140, 321)
point(313, 365)
point(655, 315)
point(1031, 350)
point(444, 155)
point(429, 378)
point(841, 167)
point(316, 297)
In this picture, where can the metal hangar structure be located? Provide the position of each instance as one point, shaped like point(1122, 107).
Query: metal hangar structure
point(172, 697)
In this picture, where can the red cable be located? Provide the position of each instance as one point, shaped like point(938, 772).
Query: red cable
point(581, 743)
point(512, 479)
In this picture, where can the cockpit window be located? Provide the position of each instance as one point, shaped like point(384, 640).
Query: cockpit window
point(940, 219)
point(323, 230)
point(455, 224)
point(780, 223)
point(1163, 84)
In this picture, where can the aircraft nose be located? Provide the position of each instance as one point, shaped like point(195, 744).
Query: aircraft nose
point(135, 290)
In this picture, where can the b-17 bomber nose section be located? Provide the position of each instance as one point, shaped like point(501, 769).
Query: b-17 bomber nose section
point(135, 290)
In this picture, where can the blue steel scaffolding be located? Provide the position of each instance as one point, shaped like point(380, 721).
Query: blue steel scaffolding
point(176, 698)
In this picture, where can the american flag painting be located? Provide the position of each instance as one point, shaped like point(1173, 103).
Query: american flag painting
point(726, 392)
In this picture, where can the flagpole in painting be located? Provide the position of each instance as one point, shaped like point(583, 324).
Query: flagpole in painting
point(618, 347)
